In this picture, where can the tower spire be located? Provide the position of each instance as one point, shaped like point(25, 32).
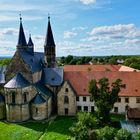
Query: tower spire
point(49, 40)
point(21, 37)
point(49, 46)
point(30, 45)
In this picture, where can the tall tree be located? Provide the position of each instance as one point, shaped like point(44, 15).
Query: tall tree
point(104, 95)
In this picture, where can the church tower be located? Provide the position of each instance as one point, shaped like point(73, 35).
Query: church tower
point(21, 37)
point(49, 47)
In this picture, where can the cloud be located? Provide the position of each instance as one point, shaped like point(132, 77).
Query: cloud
point(114, 32)
point(87, 2)
point(80, 28)
point(115, 29)
point(8, 31)
point(69, 34)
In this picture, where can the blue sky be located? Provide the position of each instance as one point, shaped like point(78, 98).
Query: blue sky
point(80, 27)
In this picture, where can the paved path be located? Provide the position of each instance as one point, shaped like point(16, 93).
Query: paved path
point(132, 126)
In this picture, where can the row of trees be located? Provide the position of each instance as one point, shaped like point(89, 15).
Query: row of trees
point(131, 61)
point(71, 60)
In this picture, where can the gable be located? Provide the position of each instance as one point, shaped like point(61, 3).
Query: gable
point(67, 86)
point(17, 65)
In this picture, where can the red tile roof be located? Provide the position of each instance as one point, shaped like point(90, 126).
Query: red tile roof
point(92, 67)
point(79, 78)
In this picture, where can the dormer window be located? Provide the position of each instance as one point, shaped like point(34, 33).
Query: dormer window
point(53, 79)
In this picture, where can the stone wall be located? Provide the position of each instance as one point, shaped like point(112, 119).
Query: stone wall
point(2, 110)
point(17, 113)
point(37, 76)
point(66, 90)
point(20, 110)
point(49, 106)
point(39, 111)
point(17, 65)
point(30, 92)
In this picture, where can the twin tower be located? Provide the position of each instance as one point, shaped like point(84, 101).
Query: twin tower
point(49, 45)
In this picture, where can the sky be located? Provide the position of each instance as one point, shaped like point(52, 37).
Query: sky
point(80, 27)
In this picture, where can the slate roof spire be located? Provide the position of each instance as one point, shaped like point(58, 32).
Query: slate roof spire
point(49, 40)
point(30, 42)
point(21, 37)
point(30, 45)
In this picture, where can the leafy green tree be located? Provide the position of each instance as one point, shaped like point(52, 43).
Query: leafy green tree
point(123, 134)
point(107, 133)
point(62, 60)
point(104, 96)
point(88, 59)
point(68, 59)
point(5, 61)
point(136, 136)
point(85, 122)
point(73, 61)
point(79, 62)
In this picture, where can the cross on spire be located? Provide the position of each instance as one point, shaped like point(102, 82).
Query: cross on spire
point(20, 17)
point(48, 16)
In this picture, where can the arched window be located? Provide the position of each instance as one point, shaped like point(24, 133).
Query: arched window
point(36, 110)
point(25, 97)
point(66, 100)
point(13, 97)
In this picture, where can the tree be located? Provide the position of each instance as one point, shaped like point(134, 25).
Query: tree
point(104, 96)
point(107, 133)
point(85, 122)
point(123, 134)
point(68, 59)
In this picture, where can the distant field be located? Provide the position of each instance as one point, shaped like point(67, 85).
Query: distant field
point(55, 130)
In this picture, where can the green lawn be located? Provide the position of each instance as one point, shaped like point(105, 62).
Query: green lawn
point(59, 129)
point(55, 130)
point(25, 131)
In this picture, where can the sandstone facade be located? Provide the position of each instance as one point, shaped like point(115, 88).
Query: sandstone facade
point(66, 100)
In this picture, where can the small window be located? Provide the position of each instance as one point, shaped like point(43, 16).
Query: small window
point(116, 109)
point(85, 108)
point(66, 90)
point(13, 97)
point(79, 108)
point(52, 78)
point(126, 100)
point(84, 99)
point(92, 109)
point(77, 98)
point(66, 100)
point(25, 97)
point(137, 100)
point(119, 100)
point(36, 110)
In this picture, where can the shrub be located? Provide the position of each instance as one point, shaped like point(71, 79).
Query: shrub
point(85, 122)
point(106, 133)
point(123, 134)
point(136, 136)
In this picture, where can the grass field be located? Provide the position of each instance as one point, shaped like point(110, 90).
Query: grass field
point(55, 130)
